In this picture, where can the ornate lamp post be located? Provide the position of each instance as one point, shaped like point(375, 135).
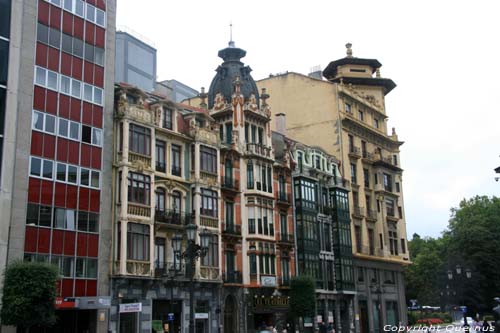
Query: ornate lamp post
point(468, 275)
point(192, 253)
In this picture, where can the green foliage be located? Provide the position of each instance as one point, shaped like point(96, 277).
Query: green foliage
point(29, 293)
point(302, 296)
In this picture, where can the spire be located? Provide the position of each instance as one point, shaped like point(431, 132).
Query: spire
point(231, 42)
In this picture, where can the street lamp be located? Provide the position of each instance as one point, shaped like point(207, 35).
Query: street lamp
point(468, 275)
point(192, 253)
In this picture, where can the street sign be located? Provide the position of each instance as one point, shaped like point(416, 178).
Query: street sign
point(130, 307)
point(463, 308)
point(170, 317)
point(201, 315)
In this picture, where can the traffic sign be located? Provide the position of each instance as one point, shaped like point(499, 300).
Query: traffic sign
point(463, 308)
point(170, 317)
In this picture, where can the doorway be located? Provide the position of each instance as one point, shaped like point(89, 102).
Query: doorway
point(230, 315)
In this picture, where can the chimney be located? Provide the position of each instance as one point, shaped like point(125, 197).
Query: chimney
point(281, 123)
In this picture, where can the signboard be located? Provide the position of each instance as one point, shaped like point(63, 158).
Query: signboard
point(319, 318)
point(463, 308)
point(330, 316)
point(202, 315)
point(170, 317)
point(268, 281)
point(101, 302)
point(157, 325)
point(65, 303)
point(130, 307)
point(308, 322)
point(271, 302)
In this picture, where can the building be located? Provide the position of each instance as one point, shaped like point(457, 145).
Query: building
point(175, 90)
point(166, 176)
point(345, 115)
point(135, 61)
point(324, 249)
point(258, 251)
point(55, 178)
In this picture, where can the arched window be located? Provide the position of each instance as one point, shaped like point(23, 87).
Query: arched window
point(176, 202)
point(160, 200)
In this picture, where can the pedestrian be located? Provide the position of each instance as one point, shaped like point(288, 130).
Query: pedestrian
point(486, 326)
point(274, 330)
point(476, 324)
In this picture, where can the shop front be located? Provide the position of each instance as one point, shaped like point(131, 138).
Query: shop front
point(270, 308)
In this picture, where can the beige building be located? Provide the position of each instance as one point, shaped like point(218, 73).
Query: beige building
point(345, 115)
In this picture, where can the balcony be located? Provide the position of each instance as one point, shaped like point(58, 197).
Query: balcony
point(209, 221)
point(232, 277)
point(169, 268)
point(136, 158)
point(284, 198)
point(358, 211)
point(257, 149)
point(208, 177)
point(161, 167)
point(230, 184)
point(176, 170)
point(209, 273)
point(354, 152)
point(172, 217)
point(138, 268)
point(285, 281)
point(387, 162)
point(138, 210)
point(371, 214)
point(231, 229)
point(326, 210)
point(286, 239)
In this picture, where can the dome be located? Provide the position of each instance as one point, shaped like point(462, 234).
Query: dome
point(223, 82)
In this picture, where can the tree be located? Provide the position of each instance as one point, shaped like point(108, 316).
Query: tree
point(302, 296)
point(29, 294)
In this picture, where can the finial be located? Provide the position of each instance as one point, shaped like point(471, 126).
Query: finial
point(264, 96)
point(231, 43)
point(349, 50)
point(203, 95)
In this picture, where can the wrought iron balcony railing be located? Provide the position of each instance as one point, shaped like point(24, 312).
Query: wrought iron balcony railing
point(232, 277)
point(170, 216)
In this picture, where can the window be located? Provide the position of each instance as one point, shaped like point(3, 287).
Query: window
point(176, 202)
point(361, 277)
point(357, 232)
point(65, 265)
point(86, 268)
point(285, 269)
point(389, 206)
point(212, 257)
point(43, 122)
point(229, 210)
point(366, 176)
point(137, 241)
point(387, 182)
point(353, 173)
point(176, 160)
point(38, 215)
point(67, 173)
point(64, 219)
point(283, 224)
point(41, 168)
point(395, 159)
point(208, 203)
point(347, 108)
point(160, 200)
point(351, 143)
point(381, 240)
point(138, 188)
point(69, 129)
point(403, 245)
point(160, 156)
point(229, 133)
point(371, 241)
point(167, 118)
point(89, 178)
point(361, 115)
point(228, 173)
point(251, 220)
point(364, 153)
point(140, 139)
point(250, 179)
point(88, 222)
point(208, 158)
point(376, 123)
point(393, 242)
point(253, 263)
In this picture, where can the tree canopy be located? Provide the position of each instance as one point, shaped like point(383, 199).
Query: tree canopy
point(302, 296)
point(29, 294)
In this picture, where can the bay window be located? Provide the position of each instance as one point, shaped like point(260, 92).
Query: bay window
point(138, 188)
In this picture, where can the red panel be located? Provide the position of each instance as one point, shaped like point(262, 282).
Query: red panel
point(71, 196)
point(41, 55)
point(34, 190)
point(36, 143)
point(81, 245)
point(99, 36)
point(87, 113)
point(95, 196)
point(46, 193)
point(78, 27)
point(91, 287)
point(67, 288)
point(77, 68)
point(62, 150)
point(60, 195)
point(30, 239)
point(101, 4)
point(89, 32)
point(39, 98)
point(55, 17)
point(84, 198)
point(66, 63)
point(79, 288)
point(96, 158)
point(57, 241)
point(93, 245)
point(98, 76)
point(88, 72)
point(51, 105)
point(43, 12)
point(49, 146)
point(67, 23)
point(69, 243)
point(73, 152)
point(92, 2)
point(64, 106)
point(75, 112)
point(43, 240)
point(97, 117)
point(53, 59)
point(85, 155)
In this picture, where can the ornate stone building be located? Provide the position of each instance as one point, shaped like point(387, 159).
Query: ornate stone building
point(258, 252)
point(165, 176)
point(345, 115)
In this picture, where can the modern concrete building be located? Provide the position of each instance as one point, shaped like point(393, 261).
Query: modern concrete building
point(345, 115)
point(165, 176)
point(135, 61)
point(258, 256)
point(55, 179)
point(324, 248)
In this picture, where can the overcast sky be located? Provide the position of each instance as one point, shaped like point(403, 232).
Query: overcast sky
point(443, 55)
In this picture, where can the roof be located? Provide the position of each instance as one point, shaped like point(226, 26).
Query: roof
point(331, 70)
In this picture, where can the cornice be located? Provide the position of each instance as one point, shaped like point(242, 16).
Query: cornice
point(370, 134)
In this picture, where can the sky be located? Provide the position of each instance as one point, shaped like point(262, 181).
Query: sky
point(443, 55)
